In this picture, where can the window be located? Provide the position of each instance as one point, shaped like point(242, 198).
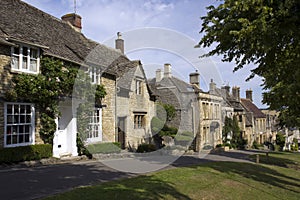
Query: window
point(95, 75)
point(19, 124)
point(138, 89)
point(139, 121)
point(25, 59)
point(94, 127)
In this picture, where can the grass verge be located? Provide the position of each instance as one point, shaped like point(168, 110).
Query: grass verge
point(216, 180)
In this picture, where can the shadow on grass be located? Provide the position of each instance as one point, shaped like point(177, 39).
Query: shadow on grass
point(277, 161)
point(141, 187)
point(259, 173)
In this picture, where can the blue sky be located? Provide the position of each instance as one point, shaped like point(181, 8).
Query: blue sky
point(156, 32)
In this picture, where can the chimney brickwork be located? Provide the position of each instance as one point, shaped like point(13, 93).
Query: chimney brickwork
point(74, 20)
point(249, 95)
point(120, 42)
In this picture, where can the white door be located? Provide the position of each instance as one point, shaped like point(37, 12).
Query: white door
point(95, 126)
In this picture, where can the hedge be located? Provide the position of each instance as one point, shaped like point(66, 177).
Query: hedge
point(25, 153)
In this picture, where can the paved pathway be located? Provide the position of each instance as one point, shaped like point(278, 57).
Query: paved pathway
point(36, 182)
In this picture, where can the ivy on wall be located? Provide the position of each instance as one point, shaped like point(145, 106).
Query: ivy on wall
point(55, 83)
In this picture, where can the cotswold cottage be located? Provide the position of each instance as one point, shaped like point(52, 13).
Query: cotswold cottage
point(27, 37)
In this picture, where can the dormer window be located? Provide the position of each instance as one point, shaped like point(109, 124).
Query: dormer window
point(25, 59)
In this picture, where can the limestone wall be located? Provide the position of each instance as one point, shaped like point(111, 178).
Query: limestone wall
point(109, 112)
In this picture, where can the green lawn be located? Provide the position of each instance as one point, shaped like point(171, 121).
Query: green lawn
point(217, 180)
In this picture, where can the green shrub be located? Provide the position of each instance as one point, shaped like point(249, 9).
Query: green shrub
point(142, 148)
point(280, 140)
point(25, 153)
point(112, 147)
point(219, 145)
point(255, 145)
point(295, 146)
point(81, 149)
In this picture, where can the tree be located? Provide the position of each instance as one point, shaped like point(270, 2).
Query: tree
point(265, 33)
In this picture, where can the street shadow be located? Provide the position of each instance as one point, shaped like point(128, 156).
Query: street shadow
point(241, 155)
point(42, 181)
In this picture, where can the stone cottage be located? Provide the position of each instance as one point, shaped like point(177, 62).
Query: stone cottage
point(197, 111)
point(135, 103)
point(27, 35)
point(256, 118)
point(173, 91)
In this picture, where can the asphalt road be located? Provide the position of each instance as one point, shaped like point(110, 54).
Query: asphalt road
point(37, 182)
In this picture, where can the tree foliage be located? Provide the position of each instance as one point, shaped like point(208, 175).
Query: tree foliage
point(266, 33)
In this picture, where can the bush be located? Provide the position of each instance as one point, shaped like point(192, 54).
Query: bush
point(280, 140)
point(81, 149)
point(219, 145)
point(112, 147)
point(25, 153)
point(142, 148)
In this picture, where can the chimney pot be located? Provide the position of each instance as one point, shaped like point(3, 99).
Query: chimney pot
point(159, 75)
point(74, 20)
point(167, 70)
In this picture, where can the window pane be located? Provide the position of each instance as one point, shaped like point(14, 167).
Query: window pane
point(8, 139)
point(28, 118)
point(21, 138)
point(9, 109)
point(33, 53)
point(33, 65)
point(16, 51)
point(25, 51)
point(14, 139)
point(15, 62)
point(9, 119)
point(27, 138)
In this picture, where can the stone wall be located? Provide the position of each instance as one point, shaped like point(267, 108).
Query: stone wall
point(109, 112)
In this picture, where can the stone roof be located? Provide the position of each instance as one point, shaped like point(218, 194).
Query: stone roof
point(168, 89)
point(23, 23)
point(251, 107)
point(230, 101)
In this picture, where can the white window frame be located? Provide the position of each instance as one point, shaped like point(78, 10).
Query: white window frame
point(95, 126)
point(8, 126)
point(19, 66)
point(94, 75)
point(138, 87)
point(139, 122)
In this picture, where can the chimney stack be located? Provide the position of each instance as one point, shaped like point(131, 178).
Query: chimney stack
point(212, 86)
point(249, 95)
point(226, 88)
point(120, 42)
point(236, 93)
point(194, 78)
point(167, 70)
point(74, 20)
point(159, 75)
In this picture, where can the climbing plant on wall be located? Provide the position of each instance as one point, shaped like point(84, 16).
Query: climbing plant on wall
point(54, 84)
